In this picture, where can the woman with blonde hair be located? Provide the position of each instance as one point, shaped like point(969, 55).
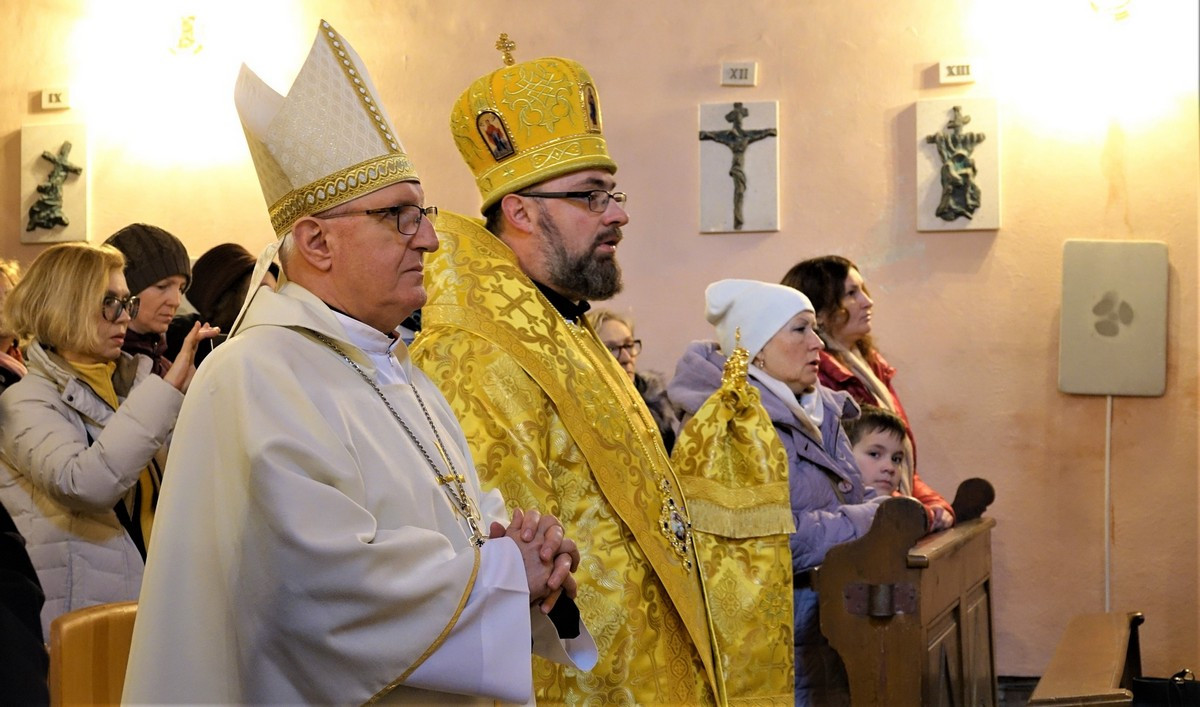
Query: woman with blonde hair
point(83, 436)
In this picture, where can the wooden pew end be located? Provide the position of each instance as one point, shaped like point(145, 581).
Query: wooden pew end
point(972, 499)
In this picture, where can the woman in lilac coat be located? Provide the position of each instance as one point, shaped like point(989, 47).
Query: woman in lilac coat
point(829, 504)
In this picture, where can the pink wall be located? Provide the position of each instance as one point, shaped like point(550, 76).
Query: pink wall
point(1104, 148)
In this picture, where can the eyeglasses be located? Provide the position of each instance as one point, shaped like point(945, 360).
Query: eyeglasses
point(633, 348)
point(597, 199)
point(408, 216)
point(113, 306)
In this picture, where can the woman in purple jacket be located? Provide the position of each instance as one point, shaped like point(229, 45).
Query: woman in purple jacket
point(829, 504)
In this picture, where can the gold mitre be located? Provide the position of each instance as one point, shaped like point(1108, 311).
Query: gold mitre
point(525, 123)
point(327, 142)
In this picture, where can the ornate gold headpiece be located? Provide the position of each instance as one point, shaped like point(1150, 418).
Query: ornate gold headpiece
point(525, 123)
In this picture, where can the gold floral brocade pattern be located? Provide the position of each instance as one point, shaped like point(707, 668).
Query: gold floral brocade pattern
point(553, 422)
point(539, 95)
point(734, 472)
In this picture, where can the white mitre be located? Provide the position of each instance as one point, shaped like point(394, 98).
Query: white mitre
point(327, 142)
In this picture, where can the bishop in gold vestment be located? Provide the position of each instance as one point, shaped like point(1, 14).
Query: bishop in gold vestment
point(553, 421)
point(551, 418)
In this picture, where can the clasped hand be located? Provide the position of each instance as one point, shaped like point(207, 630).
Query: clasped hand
point(550, 557)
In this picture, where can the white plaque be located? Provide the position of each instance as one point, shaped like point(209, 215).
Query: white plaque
point(958, 160)
point(1113, 325)
point(739, 167)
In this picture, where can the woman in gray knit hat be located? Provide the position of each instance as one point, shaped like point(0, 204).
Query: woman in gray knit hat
point(157, 269)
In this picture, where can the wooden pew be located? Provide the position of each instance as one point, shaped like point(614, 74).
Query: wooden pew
point(1095, 662)
point(911, 614)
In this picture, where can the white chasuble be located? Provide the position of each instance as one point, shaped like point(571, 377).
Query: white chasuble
point(304, 551)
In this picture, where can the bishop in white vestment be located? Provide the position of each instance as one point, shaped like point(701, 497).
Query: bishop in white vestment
point(321, 536)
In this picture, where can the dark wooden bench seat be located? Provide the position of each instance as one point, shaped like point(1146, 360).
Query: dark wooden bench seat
point(909, 613)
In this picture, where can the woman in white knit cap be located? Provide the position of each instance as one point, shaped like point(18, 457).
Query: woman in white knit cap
point(777, 327)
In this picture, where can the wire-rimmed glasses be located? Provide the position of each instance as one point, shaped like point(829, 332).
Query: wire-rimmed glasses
point(408, 216)
point(597, 199)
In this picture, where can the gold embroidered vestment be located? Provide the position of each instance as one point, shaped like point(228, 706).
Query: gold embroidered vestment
point(553, 422)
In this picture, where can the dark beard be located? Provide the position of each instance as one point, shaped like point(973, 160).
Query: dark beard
point(585, 276)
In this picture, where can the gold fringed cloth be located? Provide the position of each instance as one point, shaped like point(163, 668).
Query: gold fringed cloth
point(734, 473)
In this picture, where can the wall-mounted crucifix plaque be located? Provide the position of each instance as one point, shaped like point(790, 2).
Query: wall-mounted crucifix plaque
point(53, 183)
point(739, 167)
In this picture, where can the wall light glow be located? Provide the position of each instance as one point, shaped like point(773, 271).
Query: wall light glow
point(157, 87)
point(1073, 69)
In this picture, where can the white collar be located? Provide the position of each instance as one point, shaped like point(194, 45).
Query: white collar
point(389, 354)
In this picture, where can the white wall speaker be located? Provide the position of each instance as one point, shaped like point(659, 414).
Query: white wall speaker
point(1113, 328)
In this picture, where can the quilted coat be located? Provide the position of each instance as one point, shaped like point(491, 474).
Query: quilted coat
point(61, 487)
